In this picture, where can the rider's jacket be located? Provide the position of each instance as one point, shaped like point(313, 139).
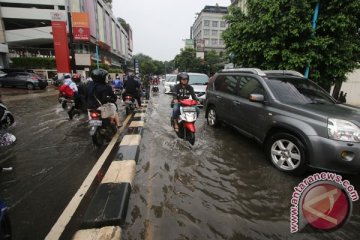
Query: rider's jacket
point(99, 92)
point(184, 92)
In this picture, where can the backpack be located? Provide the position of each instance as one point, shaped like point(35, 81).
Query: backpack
point(66, 90)
point(118, 84)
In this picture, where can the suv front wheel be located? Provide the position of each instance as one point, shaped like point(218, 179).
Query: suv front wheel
point(212, 118)
point(287, 153)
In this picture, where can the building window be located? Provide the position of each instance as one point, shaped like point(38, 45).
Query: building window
point(222, 24)
point(206, 32)
point(206, 23)
point(206, 40)
point(214, 23)
point(214, 32)
point(214, 41)
point(221, 42)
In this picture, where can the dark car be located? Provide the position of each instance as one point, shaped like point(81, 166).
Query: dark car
point(23, 79)
point(299, 124)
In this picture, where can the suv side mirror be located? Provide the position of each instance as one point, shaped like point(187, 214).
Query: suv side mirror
point(256, 97)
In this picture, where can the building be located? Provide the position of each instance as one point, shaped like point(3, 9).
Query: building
point(207, 29)
point(28, 30)
point(4, 50)
point(242, 4)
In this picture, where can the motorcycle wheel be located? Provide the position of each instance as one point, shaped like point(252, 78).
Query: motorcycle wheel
point(8, 121)
point(127, 110)
point(190, 136)
point(98, 138)
point(64, 105)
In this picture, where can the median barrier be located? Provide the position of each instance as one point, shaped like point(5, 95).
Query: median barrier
point(107, 211)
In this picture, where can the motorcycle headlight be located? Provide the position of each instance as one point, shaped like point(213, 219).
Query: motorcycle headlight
point(343, 130)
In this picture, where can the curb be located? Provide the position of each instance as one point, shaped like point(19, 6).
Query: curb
point(107, 210)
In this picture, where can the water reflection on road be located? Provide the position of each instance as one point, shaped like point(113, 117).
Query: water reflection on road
point(222, 188)
point(51, 158)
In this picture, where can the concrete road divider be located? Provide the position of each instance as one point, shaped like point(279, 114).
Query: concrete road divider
point(107, 210)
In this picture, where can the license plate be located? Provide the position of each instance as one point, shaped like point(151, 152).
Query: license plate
point(95, 122)
point(189, 109)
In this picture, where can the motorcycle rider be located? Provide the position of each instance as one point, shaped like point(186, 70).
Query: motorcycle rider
point(182, 90)
point(69, 90)
point(132, 87)
point(118, 84)
point(99, 90)
point(79, 96)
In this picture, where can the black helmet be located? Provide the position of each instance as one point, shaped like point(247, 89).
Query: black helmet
point(67, 75)
point(182, 75)
point(99, 75)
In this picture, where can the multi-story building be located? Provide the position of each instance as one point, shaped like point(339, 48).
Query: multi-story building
point(28, 30)
point(242, 4)
point(208, 27)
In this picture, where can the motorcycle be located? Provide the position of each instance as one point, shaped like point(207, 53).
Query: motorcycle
point(118, 92)
point(187, 119)
point(66, 103)
point(155, 89)
point(130, 104)
point(101, 129)
point(7, 119)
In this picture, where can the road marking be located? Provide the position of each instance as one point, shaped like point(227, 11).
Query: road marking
point(70, 209)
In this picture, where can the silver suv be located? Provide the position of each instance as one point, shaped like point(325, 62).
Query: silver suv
point(299, 124)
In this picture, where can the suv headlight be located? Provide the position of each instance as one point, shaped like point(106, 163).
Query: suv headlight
point(343, 130)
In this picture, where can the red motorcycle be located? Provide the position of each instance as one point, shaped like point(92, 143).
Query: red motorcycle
point(187, 119)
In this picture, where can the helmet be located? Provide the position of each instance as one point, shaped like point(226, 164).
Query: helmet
point(183, 75)
point(76, 77)
point(99, 75)
point(67, 75)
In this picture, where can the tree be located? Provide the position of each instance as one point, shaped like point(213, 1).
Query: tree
point(124, 24)
point(213, 61)
point(187, 61)
point(277, 34)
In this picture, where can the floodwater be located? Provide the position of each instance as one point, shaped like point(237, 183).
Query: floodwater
point(50, 159)
point(220, 188)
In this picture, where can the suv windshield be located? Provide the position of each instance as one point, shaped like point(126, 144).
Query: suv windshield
point(298, 91)
point(198, 79)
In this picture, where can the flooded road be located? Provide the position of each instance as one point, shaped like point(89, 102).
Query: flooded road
point(221, 188)
point(51, 158)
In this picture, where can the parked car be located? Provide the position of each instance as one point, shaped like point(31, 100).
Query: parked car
point(298, 123)
point(9, 70)
point(170, 81)
point(199, 82)
point(23, 79)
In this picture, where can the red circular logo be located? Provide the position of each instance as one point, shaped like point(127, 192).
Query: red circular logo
point(325, 206)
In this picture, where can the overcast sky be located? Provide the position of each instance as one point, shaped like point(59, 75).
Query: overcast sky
point(160, 26)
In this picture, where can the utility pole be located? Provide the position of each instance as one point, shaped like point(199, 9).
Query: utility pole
point(315, 17)
point(71, 39)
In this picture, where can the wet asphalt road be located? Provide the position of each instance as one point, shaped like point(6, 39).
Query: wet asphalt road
point(51, 158)
point(221, 188)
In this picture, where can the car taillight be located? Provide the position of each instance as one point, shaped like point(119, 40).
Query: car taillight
point(34, 78)
point(128, 97)
point(95, 115)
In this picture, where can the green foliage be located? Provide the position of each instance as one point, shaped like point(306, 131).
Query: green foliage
point(148, 65)
point(33, 63)
point(277, 34)
point(188, 62)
